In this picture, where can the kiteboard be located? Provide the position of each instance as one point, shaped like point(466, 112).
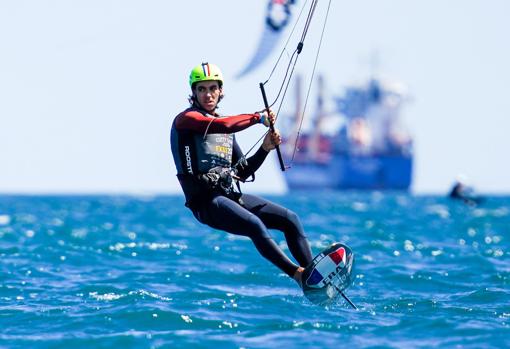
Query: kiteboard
point(328, 275)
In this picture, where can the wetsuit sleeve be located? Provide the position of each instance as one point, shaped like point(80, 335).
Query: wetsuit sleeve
point(253, 162)
point(195, 121)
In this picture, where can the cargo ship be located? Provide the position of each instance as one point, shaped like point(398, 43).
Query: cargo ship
point(360, 143)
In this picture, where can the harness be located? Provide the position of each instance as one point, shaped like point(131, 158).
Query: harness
point(221, 180)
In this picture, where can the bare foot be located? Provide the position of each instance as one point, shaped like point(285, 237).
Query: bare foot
point(298, 275)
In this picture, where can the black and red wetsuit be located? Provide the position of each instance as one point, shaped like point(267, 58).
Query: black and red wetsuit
point(200, 142)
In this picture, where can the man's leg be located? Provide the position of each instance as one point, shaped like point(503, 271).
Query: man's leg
point(224, 214)
point(278, 217)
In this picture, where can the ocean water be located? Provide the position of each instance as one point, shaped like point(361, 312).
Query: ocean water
point(139, 272)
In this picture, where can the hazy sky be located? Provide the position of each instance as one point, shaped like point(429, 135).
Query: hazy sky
point(88, 89)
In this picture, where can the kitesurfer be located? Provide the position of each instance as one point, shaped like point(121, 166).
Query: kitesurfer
point(465, 193)
point(209, 162)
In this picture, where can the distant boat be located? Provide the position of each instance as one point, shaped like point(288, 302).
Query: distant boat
point(361, 144)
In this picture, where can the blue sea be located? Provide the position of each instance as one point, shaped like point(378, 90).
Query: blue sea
point(140, 272)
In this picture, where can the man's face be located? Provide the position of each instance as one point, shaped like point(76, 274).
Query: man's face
point(208, 94)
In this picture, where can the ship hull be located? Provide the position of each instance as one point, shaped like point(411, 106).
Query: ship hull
point(352, 172)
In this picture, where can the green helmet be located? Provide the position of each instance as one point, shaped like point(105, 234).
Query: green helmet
point(205, 72)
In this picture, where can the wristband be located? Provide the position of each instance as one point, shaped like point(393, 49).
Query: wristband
point(262, 116)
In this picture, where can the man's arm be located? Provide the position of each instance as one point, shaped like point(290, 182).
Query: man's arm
point(195, 121)
point(252, 164)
